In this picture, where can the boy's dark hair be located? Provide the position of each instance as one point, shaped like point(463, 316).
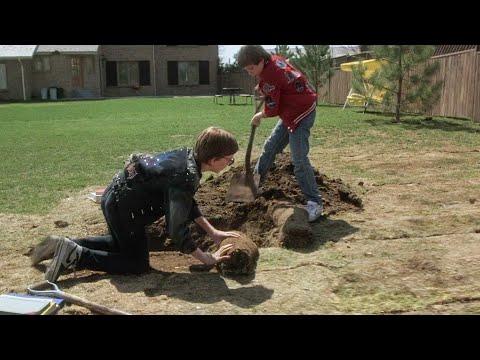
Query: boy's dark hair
point(251, 55)
point(213, 143)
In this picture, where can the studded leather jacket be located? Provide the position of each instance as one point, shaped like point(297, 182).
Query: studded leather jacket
point(162, 184)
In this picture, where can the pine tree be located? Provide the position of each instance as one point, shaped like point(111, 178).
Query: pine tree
point(315, 62)
point(284, 51)
point(406, 76)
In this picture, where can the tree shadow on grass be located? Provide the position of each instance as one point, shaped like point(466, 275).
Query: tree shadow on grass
point(432, 124)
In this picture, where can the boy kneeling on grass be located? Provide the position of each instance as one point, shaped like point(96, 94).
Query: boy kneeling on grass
point(148, 188)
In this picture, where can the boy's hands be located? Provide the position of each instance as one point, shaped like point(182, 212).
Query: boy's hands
point(257, 118)
point(218, 235)
point(217, 256)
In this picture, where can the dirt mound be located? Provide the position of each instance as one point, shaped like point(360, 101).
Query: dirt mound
point(263, 220)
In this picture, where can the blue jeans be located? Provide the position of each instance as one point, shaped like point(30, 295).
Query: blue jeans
point(299, 148)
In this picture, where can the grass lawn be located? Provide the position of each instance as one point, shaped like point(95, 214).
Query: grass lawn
point(52, 149)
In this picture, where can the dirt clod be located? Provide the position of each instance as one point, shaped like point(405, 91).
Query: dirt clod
point(243, 257)
point(60, 223)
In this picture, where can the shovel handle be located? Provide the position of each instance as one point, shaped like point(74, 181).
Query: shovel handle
point(248, 168)
point(72, 299)
point(99, 309)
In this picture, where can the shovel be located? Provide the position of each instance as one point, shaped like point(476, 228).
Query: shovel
point(244, 186)
point(54, 291)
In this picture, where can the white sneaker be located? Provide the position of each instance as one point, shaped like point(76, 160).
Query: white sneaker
point(67, 254)
point(314, 210)
point(46, 249)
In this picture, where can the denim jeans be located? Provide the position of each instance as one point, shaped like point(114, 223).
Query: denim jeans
point(299, 148)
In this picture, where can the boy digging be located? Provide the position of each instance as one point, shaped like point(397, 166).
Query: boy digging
point(289, 96)
point(149, 187)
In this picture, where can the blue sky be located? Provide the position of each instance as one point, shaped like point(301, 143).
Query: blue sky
point(226, 52)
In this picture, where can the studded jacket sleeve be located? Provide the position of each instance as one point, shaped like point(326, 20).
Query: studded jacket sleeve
point(195, 213)
point(181, 208)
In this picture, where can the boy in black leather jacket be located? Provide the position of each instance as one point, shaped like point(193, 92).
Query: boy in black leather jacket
point(149, 187)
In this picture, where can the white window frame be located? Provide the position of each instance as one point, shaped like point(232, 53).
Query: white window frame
point(3, 75)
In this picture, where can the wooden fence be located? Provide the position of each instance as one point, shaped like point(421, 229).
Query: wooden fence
point(460, 94)
point(236, 79)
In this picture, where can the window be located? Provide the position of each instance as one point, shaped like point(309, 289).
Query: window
point(37, 66)
point(128, 73)
point(41, 64)
point(75, 67)
point(188, 73)
point(46, 63)
point(3, 77)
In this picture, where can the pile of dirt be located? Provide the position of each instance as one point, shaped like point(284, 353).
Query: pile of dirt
point(275, 218)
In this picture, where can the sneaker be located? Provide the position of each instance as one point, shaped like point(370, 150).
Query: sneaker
point(66, 256)
point(314, 210)
point(45, 249)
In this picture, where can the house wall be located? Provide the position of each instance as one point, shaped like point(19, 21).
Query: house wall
point(126, 53)
point(162, 54)
point(14, 89)
point(94, 84)
point(60, 75)
point(185, 53)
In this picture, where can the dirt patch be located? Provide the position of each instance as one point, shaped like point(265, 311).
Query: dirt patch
point(275, 218)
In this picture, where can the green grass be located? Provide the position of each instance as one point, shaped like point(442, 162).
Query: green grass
point(52, 149)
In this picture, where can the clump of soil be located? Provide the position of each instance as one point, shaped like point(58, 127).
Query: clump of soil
point(294, 229)
point(261, 220)
point(243, 257)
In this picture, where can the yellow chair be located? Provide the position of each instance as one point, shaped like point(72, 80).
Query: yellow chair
point(376, 96)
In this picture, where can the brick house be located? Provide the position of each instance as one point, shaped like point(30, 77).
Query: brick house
point(95, 71)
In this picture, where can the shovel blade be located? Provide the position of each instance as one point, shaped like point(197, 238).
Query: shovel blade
point(243, 188)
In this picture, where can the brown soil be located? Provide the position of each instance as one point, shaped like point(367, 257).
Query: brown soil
point(261, 220)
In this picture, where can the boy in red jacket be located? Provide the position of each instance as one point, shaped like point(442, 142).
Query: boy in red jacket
point(289, 96)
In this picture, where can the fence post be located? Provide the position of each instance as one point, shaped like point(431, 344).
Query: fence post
point(476, 98)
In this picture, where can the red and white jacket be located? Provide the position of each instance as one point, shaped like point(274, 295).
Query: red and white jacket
point(287, 91)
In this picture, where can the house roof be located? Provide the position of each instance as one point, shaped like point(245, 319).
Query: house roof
point(17, 51)
point(68, 49)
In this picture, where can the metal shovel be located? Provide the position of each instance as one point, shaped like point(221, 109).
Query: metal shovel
point(244, 186)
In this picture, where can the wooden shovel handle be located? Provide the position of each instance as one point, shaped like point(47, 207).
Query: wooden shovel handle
point(97, 308)
point(248, 168)
point(72, 299)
